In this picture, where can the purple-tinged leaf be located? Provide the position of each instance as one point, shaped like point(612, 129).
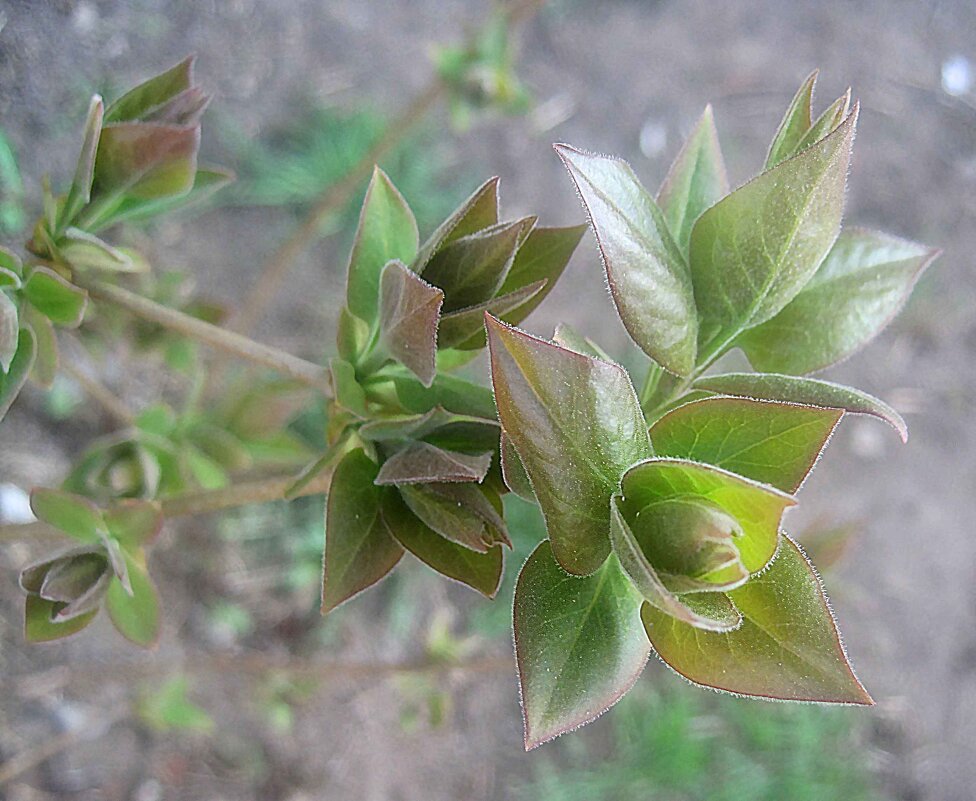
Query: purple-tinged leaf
point(146, 160)
point(578, 643)
point(513, 471)
point(135, 610)
point(758, 508)
point(40, 624)
point(186, 108)
point(463, 513)
point(54, 297)
point(472, 269)
point(649, 279)
point(9, 331)
point(80, 193)
point(787, 647)
point(20, 366)
point(409, 311)
point(809, 391)
point(387, 232)
point(768, 441)
point(359, 549)
point(543, 256)
point(696, 181)
point(69, 578)
point(480, 571)
point(151, 94)
point(478, 212)
point(577, 426)
point(712, 613)
point(465, 328)
point(861, 286)
point(752, 252)
point(423, 463)
point(796, 122)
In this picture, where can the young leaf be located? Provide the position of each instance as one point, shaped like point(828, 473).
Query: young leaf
point(418, 426)
point(450, 392)
point(480, 571)
point(465, 328)
point(47, 357)
point(80, 192)
point(352, 336)
point(85, 251)
point(513, 471)
point(134, 523)
point(771, 442)
point(9, 331)
point(649, 279)
point(752, 252)
point(862, 284)
point(478, 212)
point(60, 301)
point(796, 122)
point(462, 513)
point(471, 269)
point(578, 644)
point(150, 94)
point(722, 614)
point(696, 181)
point(76, 516)
point(577, 426)
point(20, 366)
point(348, 393)
point(359, 549)
point(543, 256)
point(146, 160)
point(40, 624)
point(387, 231)
point(786, 648)
point(409, 312)
point(423, 463)
point(827, 122)
point(758, 508)
point(568, 337)
point(809, 391)
point(135, 613)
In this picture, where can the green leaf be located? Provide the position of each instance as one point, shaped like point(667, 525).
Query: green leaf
point(348, 393)
point(150, 94)
point(696, 181)
point(135, 615)
point(359, 549)
point(827, 122)
point(478, 212)
point(809, 391)
point(206, 181)
point(863, 283)
point(513, 471)
point(418, 426)
point(796, 122)
point(39, 624)
point(768, 441)
point(459, 512)
point(55, 298)
point(721, 613)
point(352, 336)
point(167, 709)
point(754, 251)
point(448, 391)
point(568, 337)
point(578, 644)
point(80, 192)
point(543, 256)
point(387, 231)
point(465, 328)
point(758, 508)
point(480, 571)
point(47, 357)
point(409, 311)
point(649, 279)
point(11, 263)
point(18, 370)
point(577, 426)
point(9, 331)
point(76, 516)
point(134, 523)
point(473, 268)
point(146, 160)
point(85, 251)
point(423, 463)
point(787, 647)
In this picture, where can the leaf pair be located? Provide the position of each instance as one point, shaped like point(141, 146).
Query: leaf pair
point(65, 592)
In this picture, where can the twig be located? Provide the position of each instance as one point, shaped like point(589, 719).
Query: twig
point(98, 392)
point(32, 757)
point(313, 375)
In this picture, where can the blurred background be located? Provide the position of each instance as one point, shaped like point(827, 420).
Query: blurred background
point(251, 695)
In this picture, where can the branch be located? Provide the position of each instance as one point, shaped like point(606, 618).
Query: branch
point(313, 375)
point(114, 406)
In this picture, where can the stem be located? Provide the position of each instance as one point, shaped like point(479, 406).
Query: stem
point(332, 199)
point(202, 502)
point(313, 375)
point(99, 393)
